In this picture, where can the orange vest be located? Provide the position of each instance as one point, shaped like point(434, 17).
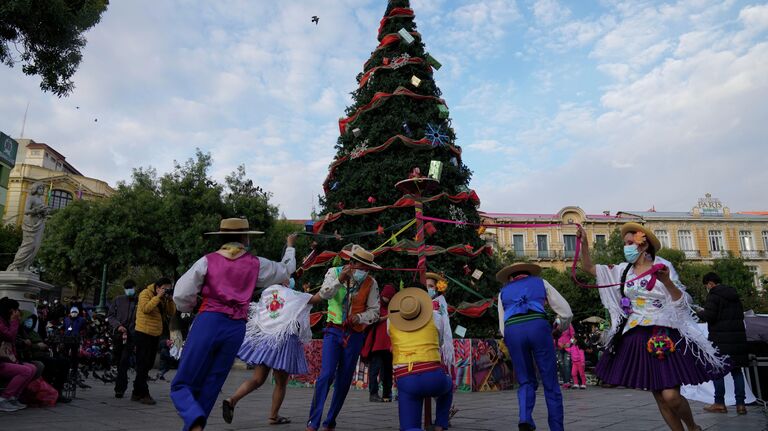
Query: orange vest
point(358, 304)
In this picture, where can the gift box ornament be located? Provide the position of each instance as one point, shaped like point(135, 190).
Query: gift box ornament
point(407, 38)
point(357, 132)
point(429, 229)
point(467, 269)
point(435, 169)
point(371, 200)
point(415, 81)
point(442, 111)
point(407, 129)
point(385, 61)
point(476, 274)
point(454, 162)
point(434, 63)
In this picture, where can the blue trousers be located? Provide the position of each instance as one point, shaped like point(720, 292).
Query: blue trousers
point(411, 391)
point(528, 342)
point(738, 387)
point(338, 365)
point(208, 355)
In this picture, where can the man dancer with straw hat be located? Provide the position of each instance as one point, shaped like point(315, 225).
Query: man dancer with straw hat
point(528, 337)
point(416, 357)
point(226, 280)
point(353, 304)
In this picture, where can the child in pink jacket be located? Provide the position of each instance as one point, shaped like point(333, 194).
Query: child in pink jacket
point(578, 365)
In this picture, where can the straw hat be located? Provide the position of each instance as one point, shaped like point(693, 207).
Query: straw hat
point(235, 226)
point(410, 309)
point(636, 227)
point(361, 255)
point(434, 276)
point(531, 268)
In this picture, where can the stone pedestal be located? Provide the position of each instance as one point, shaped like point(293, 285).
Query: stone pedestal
point(24, 287)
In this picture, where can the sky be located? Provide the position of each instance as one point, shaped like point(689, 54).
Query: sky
point(607, 105)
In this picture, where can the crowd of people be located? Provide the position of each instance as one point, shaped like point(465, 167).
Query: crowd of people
point(652, 342)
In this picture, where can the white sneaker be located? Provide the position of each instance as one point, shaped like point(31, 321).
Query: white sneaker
point(583, 386)
point(6, 406)
point(16, 403)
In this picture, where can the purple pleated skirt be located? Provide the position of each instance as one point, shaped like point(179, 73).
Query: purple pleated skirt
point(287, 356)
point(633, 366)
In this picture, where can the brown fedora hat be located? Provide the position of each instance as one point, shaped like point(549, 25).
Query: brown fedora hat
point(235, 226)
point(410, 309)
point(637, 227)
point(361, 255)
point(531, 268)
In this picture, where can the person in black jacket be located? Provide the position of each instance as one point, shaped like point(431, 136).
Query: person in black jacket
point(724, 315)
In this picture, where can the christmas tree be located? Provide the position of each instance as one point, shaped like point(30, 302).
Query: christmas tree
point(398, 123)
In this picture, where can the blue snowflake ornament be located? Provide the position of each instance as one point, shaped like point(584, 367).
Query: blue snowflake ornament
point(435, 135)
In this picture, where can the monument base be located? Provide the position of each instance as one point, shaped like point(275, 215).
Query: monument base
point(24, 287)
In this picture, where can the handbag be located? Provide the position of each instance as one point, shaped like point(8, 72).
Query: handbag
point(7, 352)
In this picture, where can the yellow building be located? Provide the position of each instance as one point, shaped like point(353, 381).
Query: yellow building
point(709, 231)
point(38, 162)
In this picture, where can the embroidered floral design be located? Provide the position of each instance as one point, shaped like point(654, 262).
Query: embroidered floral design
point(657, 303)
point(275, 304)
point(660, 344)
point(643, 283)
point(640, 302)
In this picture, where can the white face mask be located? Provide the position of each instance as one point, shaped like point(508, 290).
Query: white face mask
point(73, 315)
point(360, 275)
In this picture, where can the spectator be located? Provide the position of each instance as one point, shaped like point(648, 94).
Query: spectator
point(154, 303)
point(18, 374)
point(578, 366)
point(122, 319)
point(32, 348)
point(378, 348)
point(564, 342)
point(724, 315)
point(74, 326)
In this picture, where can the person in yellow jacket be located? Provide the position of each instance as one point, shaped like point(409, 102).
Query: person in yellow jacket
point(416, 358)
point(154, 303)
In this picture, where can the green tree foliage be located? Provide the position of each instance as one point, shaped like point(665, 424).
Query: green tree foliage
point(10, 239)
point(152, 225)
point(46, 37)
point(375, 175)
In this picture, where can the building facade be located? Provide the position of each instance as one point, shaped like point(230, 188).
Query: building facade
point(38, 162)
point(709, 231)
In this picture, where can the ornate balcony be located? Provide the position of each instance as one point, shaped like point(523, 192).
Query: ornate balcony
point(751, 254)
point(692, 254)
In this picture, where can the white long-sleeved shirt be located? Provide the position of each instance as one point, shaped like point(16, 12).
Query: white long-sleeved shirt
point(189, 285)
point(555, 300)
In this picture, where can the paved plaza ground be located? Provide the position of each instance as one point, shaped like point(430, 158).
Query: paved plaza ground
point(591, 409)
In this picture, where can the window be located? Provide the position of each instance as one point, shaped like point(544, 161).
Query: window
point(59, 199)
point(541, 246)
point(746, 241)
point(765, 240)
point(518, 244)
point(755, 275)
point(716, 243)
point(685, 240)
point(663, 237)
point(569, 246)
point(599, 239)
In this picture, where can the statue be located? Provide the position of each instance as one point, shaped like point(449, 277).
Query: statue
point(35, 214)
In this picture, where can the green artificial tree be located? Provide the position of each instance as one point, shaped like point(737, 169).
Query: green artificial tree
point(399, 122)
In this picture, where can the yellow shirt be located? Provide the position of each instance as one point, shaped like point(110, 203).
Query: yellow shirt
point(422, 345)
point(148, 318)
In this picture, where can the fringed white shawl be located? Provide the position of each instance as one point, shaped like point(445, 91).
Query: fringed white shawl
point(443, 323)
point(676, 314)
point(279, 313)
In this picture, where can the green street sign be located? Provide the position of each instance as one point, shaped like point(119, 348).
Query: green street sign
point(8, 149)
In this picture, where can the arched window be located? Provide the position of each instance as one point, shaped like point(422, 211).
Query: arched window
point(59, 199)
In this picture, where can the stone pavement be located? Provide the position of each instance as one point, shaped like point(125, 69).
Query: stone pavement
point(591, 409)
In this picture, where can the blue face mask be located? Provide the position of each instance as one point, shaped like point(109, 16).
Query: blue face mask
point(130, 292)
point(432, 292)
point(292, 284)
point(28, 323)
point(631, 253)
point(360, 275)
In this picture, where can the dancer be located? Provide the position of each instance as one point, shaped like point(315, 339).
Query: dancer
point(353, 304)
point(419, 371)
point(378, 348)
point(654, 343)
point(277, 329)
point(528, 337)
point(436, 287)
point(226, 280)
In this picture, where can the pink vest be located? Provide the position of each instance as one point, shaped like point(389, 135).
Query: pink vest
point(229, 284)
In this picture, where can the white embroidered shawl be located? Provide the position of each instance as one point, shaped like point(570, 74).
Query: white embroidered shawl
point(279, 313)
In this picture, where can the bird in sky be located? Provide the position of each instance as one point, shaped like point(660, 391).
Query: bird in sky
point(315, 19)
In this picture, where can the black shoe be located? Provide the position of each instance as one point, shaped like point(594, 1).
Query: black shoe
point(119, 394)
point(525, 427)
point(136, 397)
point(375, 398)
point(228, 411)
point(148, 400)
point(65, 400)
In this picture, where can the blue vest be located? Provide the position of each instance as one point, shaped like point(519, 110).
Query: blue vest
point(522, 296)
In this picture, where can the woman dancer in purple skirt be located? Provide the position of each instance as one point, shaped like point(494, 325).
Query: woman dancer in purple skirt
point(654, 343)
point(277, 329)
